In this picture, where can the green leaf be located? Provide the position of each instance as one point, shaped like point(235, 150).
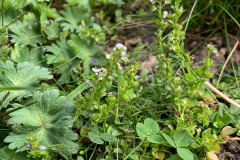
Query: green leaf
point(182, 139)
point(185, 153)
point(169, 140)
point(21, 53)
point(72, 18)
point(24, 75)
point(52, 30)
point(49, 120)
point(95, 138)
point(130, 93)
point(10, 14)
point(141, 131)
point(83, 51)
point(155, 139)
point(63, 58)
point(108, 137)
point(8, 154)
point(77, 91)
point(27, 32)
point(152, 126)
point(121, 84)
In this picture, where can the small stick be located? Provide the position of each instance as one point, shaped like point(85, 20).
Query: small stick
point(230, 55)
point(221, 94)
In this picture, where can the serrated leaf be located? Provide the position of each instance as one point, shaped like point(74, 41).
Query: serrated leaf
point(63, 58)
point(27, 33)
point(23, 76)
point(73, 16)
point(182, 139)
point(108, 137)
point(169, 140)
point(82, 51)
point(52, 30)
point(49, 120)
point(185, 153)
point(8, 154)
point(10, 14)
point(21, 54)
point(95, 138)
point(61, 53)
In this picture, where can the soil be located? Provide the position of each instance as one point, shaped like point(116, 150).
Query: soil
point(230, 151)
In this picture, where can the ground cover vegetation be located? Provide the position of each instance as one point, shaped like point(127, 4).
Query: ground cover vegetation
point(119, 79)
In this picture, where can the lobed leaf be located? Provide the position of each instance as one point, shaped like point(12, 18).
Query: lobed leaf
point(49, 120)
point(24, 75)
point(8, 154)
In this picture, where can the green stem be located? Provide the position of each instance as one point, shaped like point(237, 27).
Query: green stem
point(93, 152)
point(133, 150)
point(2, 13)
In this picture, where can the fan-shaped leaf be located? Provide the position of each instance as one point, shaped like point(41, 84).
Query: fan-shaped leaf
point(23, 76)
point(50, 120)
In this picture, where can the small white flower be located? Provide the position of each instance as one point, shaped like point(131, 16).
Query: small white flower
point(165, 14)
point(124, 48)
point(42, 148)
point(151, 1)
point(119, 46)
point(28, 145)
point(215, 51)
point(123, 53)
point(107, 56)
point(96, 70)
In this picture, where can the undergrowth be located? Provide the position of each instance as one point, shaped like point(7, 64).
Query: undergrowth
point(69, 89)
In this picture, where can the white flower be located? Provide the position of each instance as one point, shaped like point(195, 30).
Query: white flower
point(151, 1)
point(165, 13)
point(42, 148)
point(119, 45)
point(96, 70)
point(107, 56)
point(28, 145)
point(215, 51)
point(123, 53)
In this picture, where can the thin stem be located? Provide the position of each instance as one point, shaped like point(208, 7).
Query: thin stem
point(2, 13)
point(194, 5)
point(93, 152)
point(133, 150)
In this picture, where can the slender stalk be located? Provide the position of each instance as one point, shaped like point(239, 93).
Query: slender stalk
point(221, 94)
point(2, 13)
point(133, 150)
point(93, 152)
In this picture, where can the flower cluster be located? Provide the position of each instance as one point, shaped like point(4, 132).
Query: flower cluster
point(100, 72)
point(212, 49)
point(120, 47)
